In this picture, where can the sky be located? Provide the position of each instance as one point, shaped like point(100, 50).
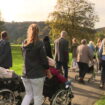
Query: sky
point(38, 10)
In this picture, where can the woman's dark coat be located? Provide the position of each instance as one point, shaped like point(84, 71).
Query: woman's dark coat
point(35, 61)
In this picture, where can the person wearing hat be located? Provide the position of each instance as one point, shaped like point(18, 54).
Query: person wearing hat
point(47, 46)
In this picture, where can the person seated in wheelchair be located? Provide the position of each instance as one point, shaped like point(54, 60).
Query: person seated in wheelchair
point(10, 80)
point(7, 73)
point(53, 82)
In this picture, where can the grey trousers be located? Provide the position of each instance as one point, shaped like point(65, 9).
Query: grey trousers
point(34, 90)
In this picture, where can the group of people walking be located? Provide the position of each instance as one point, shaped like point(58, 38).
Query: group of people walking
point(36, 64)
point(85, 53)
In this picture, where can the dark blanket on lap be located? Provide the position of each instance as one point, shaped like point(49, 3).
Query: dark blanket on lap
point(14, 83)
point(51, 86)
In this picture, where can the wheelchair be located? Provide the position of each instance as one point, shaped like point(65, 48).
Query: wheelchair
point(6, 97)
point(63, 96)
point(12, 92)
point(59, 94)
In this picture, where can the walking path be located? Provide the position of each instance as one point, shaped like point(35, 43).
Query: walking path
point(86, 94)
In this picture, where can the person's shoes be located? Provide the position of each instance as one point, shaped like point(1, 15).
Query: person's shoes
point(81, 81)
point(101, 86)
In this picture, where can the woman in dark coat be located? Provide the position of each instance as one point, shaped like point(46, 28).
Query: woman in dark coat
point(35, 66)
point(5, 51)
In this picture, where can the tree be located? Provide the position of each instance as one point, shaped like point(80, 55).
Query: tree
point(1, 23)
point(77, 17)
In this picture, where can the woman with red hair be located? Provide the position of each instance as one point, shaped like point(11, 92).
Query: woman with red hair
point(35, 65)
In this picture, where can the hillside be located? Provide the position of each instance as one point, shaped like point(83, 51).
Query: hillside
point(100, 29)
point(17, 30)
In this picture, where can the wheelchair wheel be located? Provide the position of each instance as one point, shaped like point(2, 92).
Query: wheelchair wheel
point(7, 97)
point(61, 98)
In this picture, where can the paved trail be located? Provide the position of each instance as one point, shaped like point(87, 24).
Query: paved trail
point(86, 94)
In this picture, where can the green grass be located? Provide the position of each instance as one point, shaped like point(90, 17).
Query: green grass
point(101, 101)
point(70, 59)
point(17, 59)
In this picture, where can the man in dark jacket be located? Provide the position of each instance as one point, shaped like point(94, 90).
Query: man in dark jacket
point(62, 53)
point(47, 46)
point(5, 51)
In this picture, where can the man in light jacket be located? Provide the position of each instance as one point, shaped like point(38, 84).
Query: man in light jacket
point(83, 56)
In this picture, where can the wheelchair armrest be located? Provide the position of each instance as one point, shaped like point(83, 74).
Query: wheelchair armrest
point(68, 84)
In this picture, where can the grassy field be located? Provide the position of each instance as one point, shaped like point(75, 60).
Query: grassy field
point(17, 59)
point(101, 101)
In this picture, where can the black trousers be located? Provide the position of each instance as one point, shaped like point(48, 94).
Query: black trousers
point(59, 66)
point(83, 69)
point(103, 72)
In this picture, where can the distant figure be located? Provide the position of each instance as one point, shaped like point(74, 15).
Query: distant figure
point(84, 54)
point(47, 45)
point(35, 66)
point(62, 53)
point(91, 46)
point(102, 58)
point(74, 53)
point(98, 46)
point(5, 51)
